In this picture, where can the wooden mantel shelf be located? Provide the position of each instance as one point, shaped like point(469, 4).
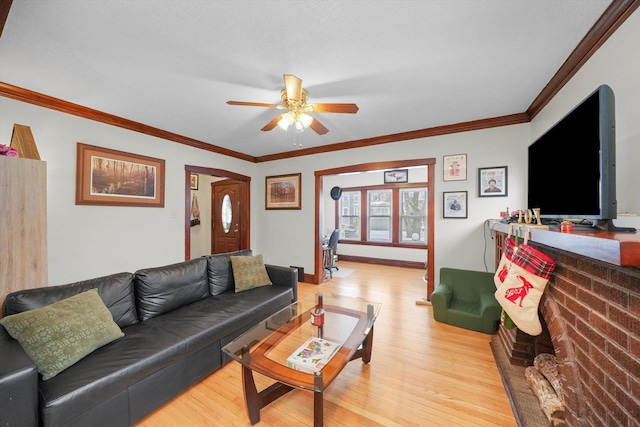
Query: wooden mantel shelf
point(618, 248)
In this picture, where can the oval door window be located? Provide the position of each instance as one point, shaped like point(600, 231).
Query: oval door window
point(226, 213)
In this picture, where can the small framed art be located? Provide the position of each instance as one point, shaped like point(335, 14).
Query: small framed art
point(396, 176)
point(454, 204)
point(492, 182)
point(455, 167)
point(283, 191)
point(195, 178)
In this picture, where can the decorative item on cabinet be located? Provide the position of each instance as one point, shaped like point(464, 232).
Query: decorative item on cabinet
point(8, 151)
point(22, 141)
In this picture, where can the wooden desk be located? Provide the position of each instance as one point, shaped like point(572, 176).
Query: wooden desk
point(327, 259)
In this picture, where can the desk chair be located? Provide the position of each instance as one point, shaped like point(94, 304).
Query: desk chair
point(333, 244)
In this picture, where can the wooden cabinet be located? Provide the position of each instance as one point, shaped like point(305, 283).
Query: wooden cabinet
point(23, 224)
point(500, 239)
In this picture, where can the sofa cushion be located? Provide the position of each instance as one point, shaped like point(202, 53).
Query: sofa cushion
point(107, 372)
point(219, 316)
point(162, 289)
point(220, 271)
point(58, 335)
point(249, 272)
point(116, 290)
point(18, 384)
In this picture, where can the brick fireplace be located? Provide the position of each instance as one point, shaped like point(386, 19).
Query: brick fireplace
point(591, 314)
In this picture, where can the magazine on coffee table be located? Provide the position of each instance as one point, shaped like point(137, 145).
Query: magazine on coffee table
point(313, 355)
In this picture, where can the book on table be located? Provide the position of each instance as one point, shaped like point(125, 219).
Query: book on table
point(313, 355)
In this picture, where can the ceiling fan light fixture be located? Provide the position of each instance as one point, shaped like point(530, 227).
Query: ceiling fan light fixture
point(294, 99)
point(305, 119)
point(286, 120)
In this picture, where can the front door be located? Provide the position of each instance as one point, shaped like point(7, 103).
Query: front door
point(226, 222)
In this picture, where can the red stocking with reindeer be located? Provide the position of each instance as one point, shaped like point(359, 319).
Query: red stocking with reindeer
point(521, 280)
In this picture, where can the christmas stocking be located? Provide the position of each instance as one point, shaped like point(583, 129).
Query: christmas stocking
point(521, 281)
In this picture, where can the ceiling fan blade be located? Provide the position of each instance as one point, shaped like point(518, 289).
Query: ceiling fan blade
point(318, 127)
point(334, 108)
point(254, 104)
point(273, 123)
point(293, 86)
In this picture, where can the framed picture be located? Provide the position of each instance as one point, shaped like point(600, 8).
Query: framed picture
point(115, 178)
point(492, 182)
point(454, 204)
point(195, 179)
point(283, 192)
point(455, 167)
point(396, 176)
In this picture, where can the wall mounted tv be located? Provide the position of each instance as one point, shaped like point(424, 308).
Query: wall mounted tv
point(572, 167)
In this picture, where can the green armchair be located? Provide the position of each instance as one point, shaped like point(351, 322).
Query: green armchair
point(465, 298)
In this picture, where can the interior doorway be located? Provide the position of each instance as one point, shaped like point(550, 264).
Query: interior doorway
point(365, 167)
point(242, 199)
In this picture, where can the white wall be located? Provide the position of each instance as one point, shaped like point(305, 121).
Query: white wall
point(88, 241)
point(458, 242)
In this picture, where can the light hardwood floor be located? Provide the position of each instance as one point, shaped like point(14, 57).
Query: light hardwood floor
point(422, 373)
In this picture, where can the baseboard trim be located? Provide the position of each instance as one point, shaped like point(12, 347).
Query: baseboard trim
point(381, 261)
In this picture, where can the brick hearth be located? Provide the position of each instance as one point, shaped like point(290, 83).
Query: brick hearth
point(592, 314)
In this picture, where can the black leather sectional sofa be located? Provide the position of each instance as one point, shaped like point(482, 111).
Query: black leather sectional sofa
point(175, 320)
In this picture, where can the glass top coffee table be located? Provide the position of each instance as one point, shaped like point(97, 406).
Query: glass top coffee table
point(279, 347)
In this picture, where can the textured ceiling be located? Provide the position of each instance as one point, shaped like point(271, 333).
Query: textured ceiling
point(409, 65)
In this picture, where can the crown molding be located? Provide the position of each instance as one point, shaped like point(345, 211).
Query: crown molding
point(39, 99)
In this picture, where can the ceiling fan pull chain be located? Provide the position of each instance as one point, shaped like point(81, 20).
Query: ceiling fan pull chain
point(299, 133)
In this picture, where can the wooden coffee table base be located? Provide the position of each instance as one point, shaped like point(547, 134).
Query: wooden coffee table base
point(257, 400)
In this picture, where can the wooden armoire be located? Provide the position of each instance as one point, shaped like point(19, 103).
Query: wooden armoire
point(23, 225)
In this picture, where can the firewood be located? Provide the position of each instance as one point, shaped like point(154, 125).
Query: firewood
point(552, 407)
point(547, 365)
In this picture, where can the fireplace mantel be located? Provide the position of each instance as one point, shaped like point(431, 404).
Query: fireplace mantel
point(617, 248)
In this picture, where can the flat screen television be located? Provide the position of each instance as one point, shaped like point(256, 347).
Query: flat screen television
point(572, 167)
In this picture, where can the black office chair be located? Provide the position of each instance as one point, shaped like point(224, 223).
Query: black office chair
point(333, 244)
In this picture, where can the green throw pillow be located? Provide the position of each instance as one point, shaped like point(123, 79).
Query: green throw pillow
point(249, 272)
point(58, 335)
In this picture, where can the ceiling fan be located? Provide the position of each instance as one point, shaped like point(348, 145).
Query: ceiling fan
point(294, 99)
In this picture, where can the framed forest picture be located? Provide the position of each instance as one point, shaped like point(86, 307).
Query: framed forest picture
point(115, 178)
